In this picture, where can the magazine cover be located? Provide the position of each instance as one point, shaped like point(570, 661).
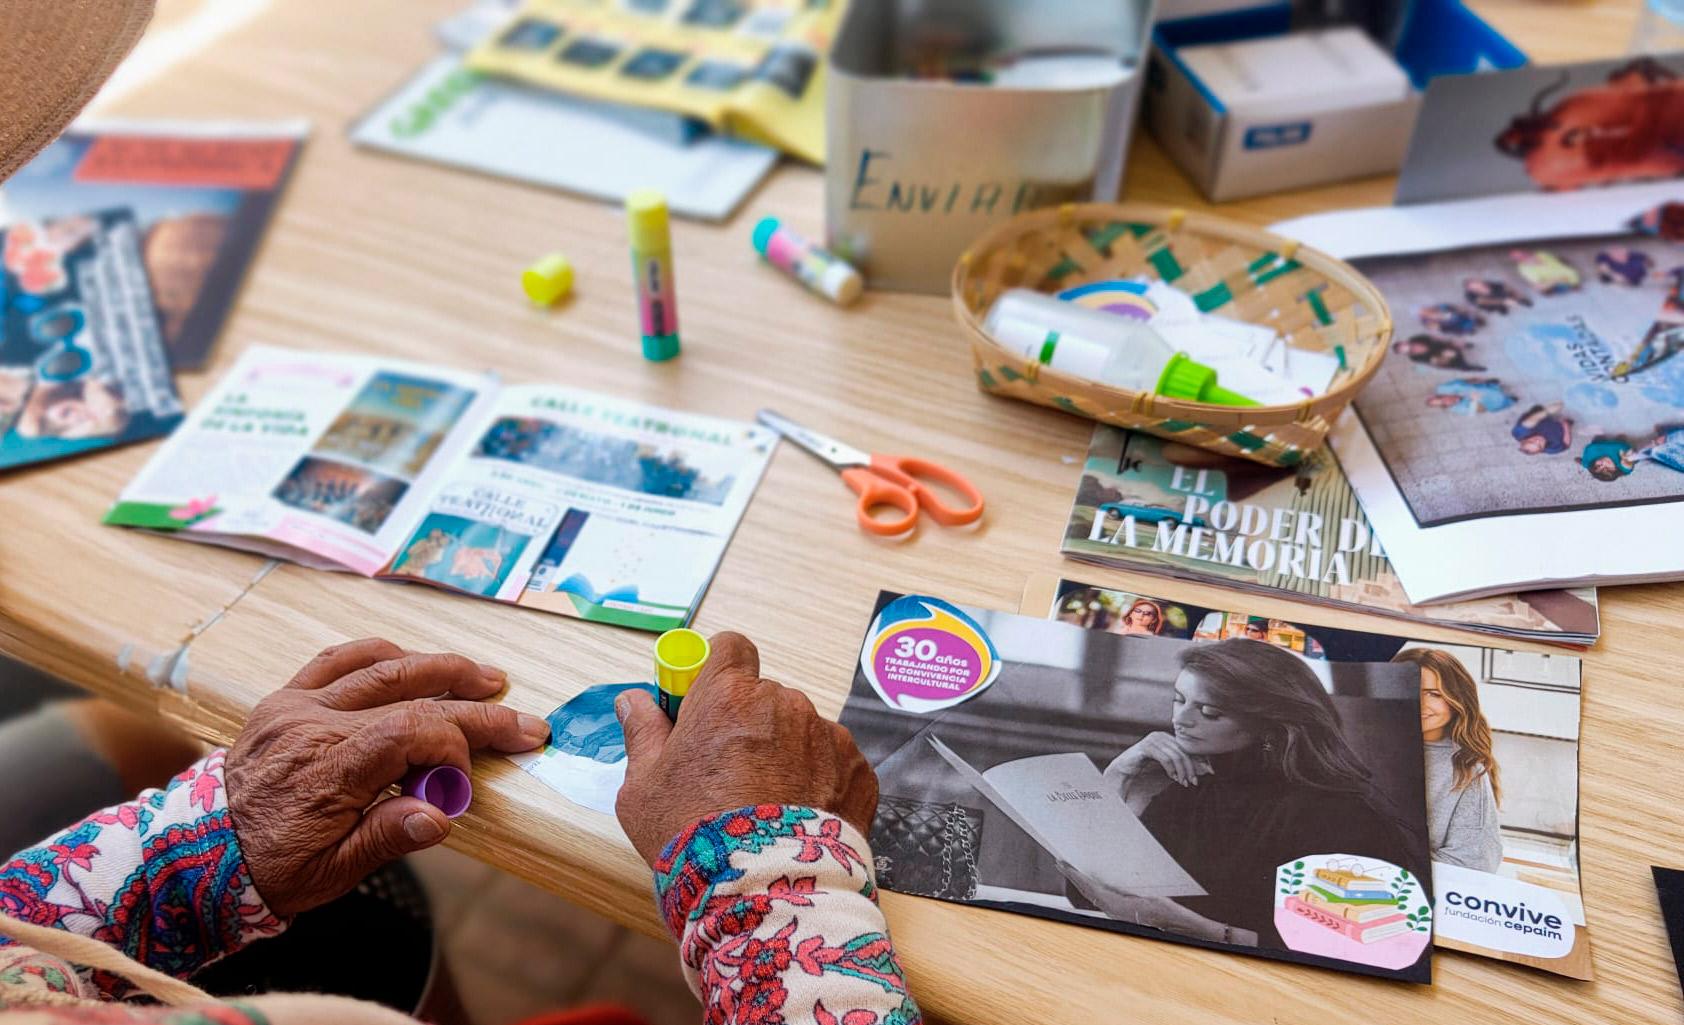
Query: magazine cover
point(1500, 730)
point(82, 363)
point(202, 194)
point(754, 68)
point(1547, 128)
point(1528, 428)
point(1162, 507)
point(1226, 794)
point(553, 498)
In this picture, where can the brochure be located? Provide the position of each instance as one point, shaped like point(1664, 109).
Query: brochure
point(751, 68)
point(1502, 764)
point(451, 115)
point(535, 495)
point(201, 192)
point(1528, 429)
point(1156, 506)
point(1546, 128)
point(82, 363)
point(1225, 794)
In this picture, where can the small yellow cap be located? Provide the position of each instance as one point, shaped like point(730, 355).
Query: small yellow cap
point(547, 280)
point(679, 657)
point(646, 217)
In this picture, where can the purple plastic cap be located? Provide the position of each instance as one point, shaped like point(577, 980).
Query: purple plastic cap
point(445, 787)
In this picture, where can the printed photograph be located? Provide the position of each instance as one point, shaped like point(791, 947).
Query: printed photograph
point(1158, 786)
point(460, 553)
point(350, 494)
point(82, 360)
point(1532, 377)
point(395, 423)
point(601, 459)
point(1548, 127)
point(196, 238)
point(1499, 730)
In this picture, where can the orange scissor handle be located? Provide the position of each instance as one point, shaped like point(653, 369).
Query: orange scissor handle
point(906, 471)
point(875, 491)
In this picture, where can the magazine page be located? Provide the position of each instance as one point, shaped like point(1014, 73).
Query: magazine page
point(1160, 507)
point(755, 68)
point(1543, 127)
point(462, 118)
point(1262, 775)
point(201, 194)
point(588, 506)
point(1500, 730)
point(332, 456)
point(1528, 428)
point(82, 361)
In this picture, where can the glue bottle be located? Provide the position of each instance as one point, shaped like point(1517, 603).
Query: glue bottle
point(1101, 347)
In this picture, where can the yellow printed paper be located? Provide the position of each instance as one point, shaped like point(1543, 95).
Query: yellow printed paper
point(752, 68)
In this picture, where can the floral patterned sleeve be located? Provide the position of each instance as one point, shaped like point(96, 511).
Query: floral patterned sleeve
point(776, 916)
point(161, 879)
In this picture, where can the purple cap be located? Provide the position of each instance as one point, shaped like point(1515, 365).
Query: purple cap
point(445, 787)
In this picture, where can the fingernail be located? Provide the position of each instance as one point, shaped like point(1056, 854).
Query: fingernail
point(422, 828)
point(493, 674)
point(622, 707)
point(533, 728)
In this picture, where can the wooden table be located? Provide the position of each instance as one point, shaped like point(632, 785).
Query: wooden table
point(381, 255)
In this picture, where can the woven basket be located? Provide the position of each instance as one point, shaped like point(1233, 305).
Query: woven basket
point(1312, 300)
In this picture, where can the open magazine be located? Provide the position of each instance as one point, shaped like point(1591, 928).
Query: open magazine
point(1528, 430)
point(1114, 782)
point(1505, 844)
point(1160, 507)
point(82, 360)
point(541, 496)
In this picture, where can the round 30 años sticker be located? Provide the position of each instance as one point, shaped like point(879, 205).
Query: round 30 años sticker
point(923, 654)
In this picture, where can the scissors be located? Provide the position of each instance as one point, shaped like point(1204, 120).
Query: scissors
point(885, 480)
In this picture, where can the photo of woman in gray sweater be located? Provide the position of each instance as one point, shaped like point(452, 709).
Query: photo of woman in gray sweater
point(1463, 792)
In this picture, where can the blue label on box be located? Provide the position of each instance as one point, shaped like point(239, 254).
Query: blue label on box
point(1290, 133)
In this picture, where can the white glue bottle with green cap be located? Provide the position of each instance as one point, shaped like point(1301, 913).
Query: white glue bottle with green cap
point(1101, 347)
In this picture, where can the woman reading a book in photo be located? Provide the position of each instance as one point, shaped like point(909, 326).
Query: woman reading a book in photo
point(1462, 787)
point(1254, 772)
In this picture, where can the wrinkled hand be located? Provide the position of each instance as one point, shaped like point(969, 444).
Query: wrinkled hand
point(740, 739)
point(316, 754)
point(1161, 749)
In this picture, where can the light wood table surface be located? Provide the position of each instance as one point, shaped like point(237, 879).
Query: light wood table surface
point(375, 254)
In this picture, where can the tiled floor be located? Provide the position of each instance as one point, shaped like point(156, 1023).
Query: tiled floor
point(517, 951)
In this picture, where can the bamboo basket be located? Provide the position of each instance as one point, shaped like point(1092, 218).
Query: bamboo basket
point(1312, 300)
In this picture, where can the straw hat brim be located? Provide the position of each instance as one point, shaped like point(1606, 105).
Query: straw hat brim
point(54, 56)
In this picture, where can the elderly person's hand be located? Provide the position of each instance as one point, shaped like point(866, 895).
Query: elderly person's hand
point(740, 739)
point(317, 754)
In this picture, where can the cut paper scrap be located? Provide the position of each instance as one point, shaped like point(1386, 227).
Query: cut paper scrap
point(1362, 910)
point(585, 760)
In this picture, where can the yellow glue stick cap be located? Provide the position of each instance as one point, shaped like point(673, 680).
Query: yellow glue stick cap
point(679, 657)
point(548, 279)
point(646, 217)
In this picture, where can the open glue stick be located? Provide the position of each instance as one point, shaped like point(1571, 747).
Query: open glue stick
point(679, 658)
point(820, 271)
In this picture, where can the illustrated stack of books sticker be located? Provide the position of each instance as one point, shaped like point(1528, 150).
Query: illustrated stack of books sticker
point(1352, 903)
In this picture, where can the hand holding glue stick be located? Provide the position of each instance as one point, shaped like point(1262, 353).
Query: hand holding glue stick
point(744, 740)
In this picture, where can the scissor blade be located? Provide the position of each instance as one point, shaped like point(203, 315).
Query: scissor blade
point(829, 449)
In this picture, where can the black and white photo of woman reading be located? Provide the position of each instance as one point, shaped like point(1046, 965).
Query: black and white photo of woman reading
point(1253, 771)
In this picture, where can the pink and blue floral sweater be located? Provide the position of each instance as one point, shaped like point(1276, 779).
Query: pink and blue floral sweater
point(773, 906)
